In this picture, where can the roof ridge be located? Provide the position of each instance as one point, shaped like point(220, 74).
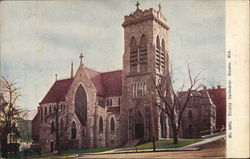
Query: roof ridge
point(104, 71)
point(64, 79)
point(112, 71)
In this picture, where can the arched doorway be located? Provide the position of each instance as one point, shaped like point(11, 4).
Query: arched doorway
point(190, 131)
point(163, 125)
point(139, 126)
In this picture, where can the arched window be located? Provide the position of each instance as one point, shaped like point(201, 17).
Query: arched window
point(110, 102)
point(112, 124)
point(158, 45)
point(100, 124)
point(143, 54)
point(41, 111)
point(61, 106)
point(162, 53)
point(73, 130)
point(107, 102)
point(50, 109)
point(45, 110)
point(190, 115)
point(52, 127)
point(133, 55)
point(81, 104)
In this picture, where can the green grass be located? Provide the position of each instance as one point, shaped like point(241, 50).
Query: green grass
point(78, 151)
point(65, 152)
point(161, 144)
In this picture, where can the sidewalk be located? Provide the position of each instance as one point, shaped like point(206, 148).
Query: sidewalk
point(192, 147)
point(207, 141)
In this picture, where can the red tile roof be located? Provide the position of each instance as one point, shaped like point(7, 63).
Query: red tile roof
point(96, 78)
point(112, 82)
point(35, 127)
point(107, 84)
point(58, 91)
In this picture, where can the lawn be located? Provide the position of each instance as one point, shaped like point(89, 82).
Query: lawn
point(65, 152)
point(161, 144)
point(79, 151)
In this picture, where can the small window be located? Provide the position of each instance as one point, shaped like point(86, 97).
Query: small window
point(61, 106)
point(55, 107)
point(45, 109)
point(50, 109)
point(41, 114)
point(100, 124)
point(112, 124)
point(110, 102)
point(107, 102)
point(73, 130)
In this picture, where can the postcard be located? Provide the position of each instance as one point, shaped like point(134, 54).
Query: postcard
point(124, 79)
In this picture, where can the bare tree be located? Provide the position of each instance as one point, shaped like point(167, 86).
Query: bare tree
point(171, 101)
point(60, 127)
point(10, 113)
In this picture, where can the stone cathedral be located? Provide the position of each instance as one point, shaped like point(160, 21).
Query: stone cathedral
point(107, 109)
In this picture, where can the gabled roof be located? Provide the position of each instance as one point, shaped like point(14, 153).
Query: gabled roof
point(96, 78)
point(112, 82)
point(107, 84)
point(58, 91)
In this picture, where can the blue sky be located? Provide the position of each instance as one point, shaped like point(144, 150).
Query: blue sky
point(41, 38)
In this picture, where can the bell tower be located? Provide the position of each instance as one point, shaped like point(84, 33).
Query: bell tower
point(145, 58)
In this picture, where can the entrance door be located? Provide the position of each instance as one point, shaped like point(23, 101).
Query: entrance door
point(139, 131)
point(139, 126)
point(51, 146)
point(190, 131)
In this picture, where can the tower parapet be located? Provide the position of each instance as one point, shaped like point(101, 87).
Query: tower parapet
point(140, 16)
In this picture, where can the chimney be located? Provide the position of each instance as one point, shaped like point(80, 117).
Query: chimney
point(56, 76)
point(204, 87)
point(218, 87)
point(72, 72)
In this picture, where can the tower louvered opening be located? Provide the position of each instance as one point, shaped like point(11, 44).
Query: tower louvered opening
point(133, 55)
point(143, 54)
point(160, 55)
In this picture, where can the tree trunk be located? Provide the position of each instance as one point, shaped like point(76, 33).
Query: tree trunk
point(4, 145)
point(175, 131)
point(175, 136)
